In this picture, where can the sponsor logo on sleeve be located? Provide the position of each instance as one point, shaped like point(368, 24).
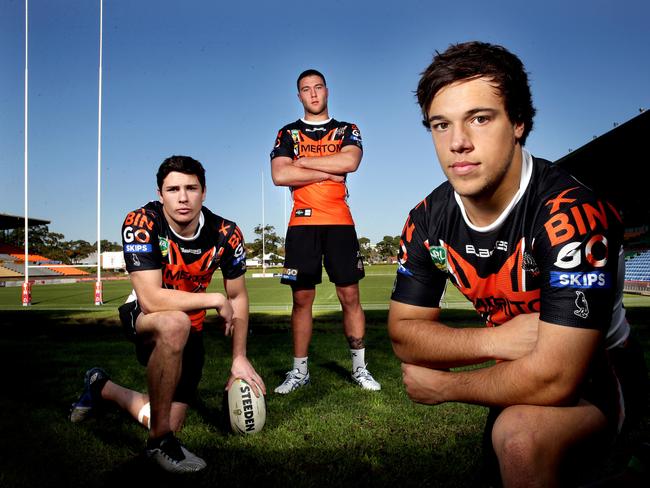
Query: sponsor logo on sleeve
point(595, 253)
point(240, 254)
point(592, 279)
point(569, 256)
point(135, 259)
point(578, 220)
point(224, 228)
point(135, 235)
point(235, 239)
point(138, 219)
point(138, 248)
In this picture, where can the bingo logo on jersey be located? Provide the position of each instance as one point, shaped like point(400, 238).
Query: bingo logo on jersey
point(578, 220)
point(137, 235)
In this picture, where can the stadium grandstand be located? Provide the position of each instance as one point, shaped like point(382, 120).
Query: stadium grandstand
point(614, 167)
point(12, 258)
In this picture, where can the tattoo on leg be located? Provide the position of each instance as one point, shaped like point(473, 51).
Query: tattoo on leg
point(356, 342)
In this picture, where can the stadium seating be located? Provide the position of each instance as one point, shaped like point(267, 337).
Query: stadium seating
point(13, 258)
point(637, 267)
point(8, 273)
point(33, 272)
point(69, 271)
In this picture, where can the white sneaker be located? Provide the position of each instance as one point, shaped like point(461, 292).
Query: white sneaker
point(364, 379)
point(172, 456)
point(295, 379)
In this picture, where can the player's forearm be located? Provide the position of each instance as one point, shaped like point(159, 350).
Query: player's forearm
point(240, 325)
point(434, 345)
point(519, 382)
point(291, 175)
point(163, 299)
point(339, 164)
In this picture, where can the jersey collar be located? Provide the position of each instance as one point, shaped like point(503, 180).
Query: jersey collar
point(320, 122)
point(526, 172)
point(196, 234)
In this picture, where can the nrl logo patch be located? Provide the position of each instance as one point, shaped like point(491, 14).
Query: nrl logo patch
point(439, 257)
point(163, 243)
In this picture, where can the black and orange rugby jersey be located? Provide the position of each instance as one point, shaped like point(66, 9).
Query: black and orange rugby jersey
point(554, 250)
point(323, 203)
point(187, 264)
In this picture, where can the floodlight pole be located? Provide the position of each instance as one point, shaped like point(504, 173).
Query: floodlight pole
point(98, 285)
point(27, 293)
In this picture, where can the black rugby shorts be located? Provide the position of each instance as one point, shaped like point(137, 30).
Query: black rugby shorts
point(193, 353)
point(308, 247)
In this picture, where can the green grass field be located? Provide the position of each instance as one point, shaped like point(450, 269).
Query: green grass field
point(266, 294)
point(330, 433)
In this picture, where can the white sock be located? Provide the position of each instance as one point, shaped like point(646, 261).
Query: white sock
point(300, 364)
point(144, 416)
point(358, 358)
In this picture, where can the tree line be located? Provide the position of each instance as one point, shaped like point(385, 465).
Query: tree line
point(53, 245)
point(380, 252)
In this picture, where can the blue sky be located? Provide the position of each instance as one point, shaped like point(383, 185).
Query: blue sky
point(216, 80)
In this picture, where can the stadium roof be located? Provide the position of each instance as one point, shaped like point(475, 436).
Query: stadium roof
point(16, 222)
point(615, 165)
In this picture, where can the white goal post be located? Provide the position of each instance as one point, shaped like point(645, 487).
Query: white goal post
point(27, 294)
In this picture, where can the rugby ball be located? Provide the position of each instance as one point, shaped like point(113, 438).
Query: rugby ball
point(247, 412)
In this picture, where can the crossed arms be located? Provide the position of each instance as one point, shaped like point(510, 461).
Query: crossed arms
point(306, 170)
point(538, 363)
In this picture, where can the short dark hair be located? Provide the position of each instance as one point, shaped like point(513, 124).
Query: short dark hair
point(182, 164)
point(475, 59)
point(310, 72)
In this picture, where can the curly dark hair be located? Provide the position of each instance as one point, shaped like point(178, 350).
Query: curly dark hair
point(476, 59)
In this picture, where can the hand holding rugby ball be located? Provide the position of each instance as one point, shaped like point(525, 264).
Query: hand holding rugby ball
point(247, 412)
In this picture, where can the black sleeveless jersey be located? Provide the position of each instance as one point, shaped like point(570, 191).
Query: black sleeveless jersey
point(187, 264)
point(554, 250)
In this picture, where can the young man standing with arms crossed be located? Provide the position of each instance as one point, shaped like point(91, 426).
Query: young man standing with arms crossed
point(312, 156)
point(172, 247)
point(537, 253)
